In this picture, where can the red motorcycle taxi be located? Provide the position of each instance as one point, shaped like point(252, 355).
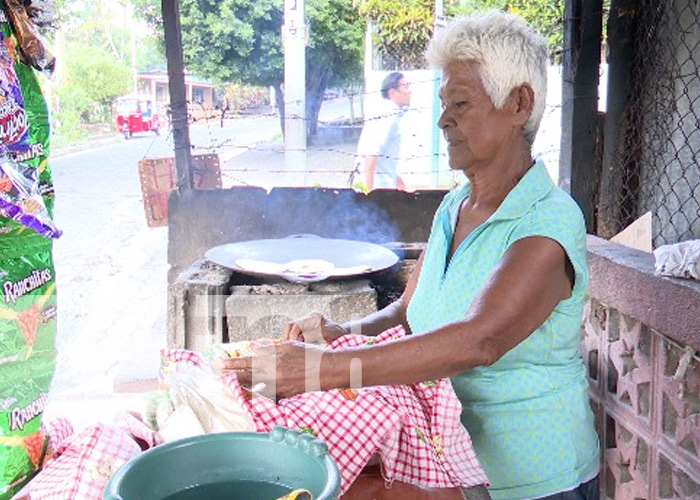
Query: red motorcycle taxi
point(136, 113)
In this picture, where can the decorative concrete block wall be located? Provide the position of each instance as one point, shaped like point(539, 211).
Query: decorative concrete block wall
point(644, 380)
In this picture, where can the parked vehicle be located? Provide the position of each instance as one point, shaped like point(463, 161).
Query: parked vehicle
point(136, 113)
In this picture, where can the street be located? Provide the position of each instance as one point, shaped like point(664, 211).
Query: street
point(111, 268)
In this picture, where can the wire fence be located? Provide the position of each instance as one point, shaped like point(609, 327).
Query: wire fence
point(657, 164)
point(331, 157)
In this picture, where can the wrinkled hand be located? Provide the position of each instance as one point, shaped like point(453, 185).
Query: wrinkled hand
point(314, 328)
point(285, 369)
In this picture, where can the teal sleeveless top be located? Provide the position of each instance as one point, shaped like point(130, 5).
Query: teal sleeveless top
point(528, 414)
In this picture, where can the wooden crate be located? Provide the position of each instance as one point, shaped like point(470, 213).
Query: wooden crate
point(158, 178)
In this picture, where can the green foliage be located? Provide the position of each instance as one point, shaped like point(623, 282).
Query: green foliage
point(360, 187)
point(233, 40)
point(150, 55)
point(334, 54)
point(240, 41)
point(237, 97)
point(336, 40)
point(404, 27)
point(546, 16)
point(95, 41)
point(92, 79)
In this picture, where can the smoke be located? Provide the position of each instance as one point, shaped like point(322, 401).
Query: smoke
point(340, 214)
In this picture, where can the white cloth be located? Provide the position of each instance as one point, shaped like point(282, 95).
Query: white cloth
point(681, 260)
point(381, 137)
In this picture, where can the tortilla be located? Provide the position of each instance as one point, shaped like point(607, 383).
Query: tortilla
point(309, 267)
point(239, 349)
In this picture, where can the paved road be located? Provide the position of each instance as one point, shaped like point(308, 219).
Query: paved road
point(111, 268)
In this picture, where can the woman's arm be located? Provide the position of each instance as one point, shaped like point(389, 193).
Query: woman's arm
point(518, 296)
point(392, 315)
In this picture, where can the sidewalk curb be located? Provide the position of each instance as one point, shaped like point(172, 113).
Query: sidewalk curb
point(91, 143)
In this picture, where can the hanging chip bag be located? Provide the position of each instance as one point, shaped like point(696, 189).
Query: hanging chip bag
point(20, 199)
point(14, 124)
point(24, 388)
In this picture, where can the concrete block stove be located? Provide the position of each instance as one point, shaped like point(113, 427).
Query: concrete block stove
point(262, 311)
point(210, 304)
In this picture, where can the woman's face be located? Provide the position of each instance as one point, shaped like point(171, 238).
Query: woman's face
point(474, 129)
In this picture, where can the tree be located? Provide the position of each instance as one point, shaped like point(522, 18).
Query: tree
point(90, 84)
point(402, 30)
point(93, 41)
point(334, 56)
point(404, 27)
point(240, 41)
point(547, 18)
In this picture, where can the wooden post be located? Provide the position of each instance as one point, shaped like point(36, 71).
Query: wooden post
point(579, 163)
point(178, 98)
point(621, 25)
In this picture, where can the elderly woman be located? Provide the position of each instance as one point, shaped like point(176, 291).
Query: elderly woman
point(496, 299)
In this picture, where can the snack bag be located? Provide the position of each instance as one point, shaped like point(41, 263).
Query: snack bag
point(27, 307)
point(27, 359)
point(39, 130)
point(20, 199)
point(24, 388)
point(32, 151)
point(14, 124)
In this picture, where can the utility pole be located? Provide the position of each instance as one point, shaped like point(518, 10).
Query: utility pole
point(440, 23)
point(132, 31)
point(178, 100)
point(295, 92)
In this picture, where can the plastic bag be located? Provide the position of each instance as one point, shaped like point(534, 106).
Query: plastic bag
point(41, 12)
point(24, 125)
point(32, 49)
point(20, 199)
point(681, 260)
point(200, 389)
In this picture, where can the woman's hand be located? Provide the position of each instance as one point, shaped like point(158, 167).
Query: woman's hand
point(314, 328)
point(279, 371)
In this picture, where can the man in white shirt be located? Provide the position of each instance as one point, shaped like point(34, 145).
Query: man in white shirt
point(380, 142)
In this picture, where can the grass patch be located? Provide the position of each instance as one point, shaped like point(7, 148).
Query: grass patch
point(78, 135)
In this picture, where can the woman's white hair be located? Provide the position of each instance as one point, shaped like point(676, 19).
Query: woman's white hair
point(508, 52)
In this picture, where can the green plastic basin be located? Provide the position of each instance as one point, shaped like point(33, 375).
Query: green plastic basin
point(229, 466)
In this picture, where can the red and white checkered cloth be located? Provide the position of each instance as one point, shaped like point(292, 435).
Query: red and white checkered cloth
point(415, 429)
point(82, 463)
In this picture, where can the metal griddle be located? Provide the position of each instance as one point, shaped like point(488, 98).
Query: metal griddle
point(349, 257)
